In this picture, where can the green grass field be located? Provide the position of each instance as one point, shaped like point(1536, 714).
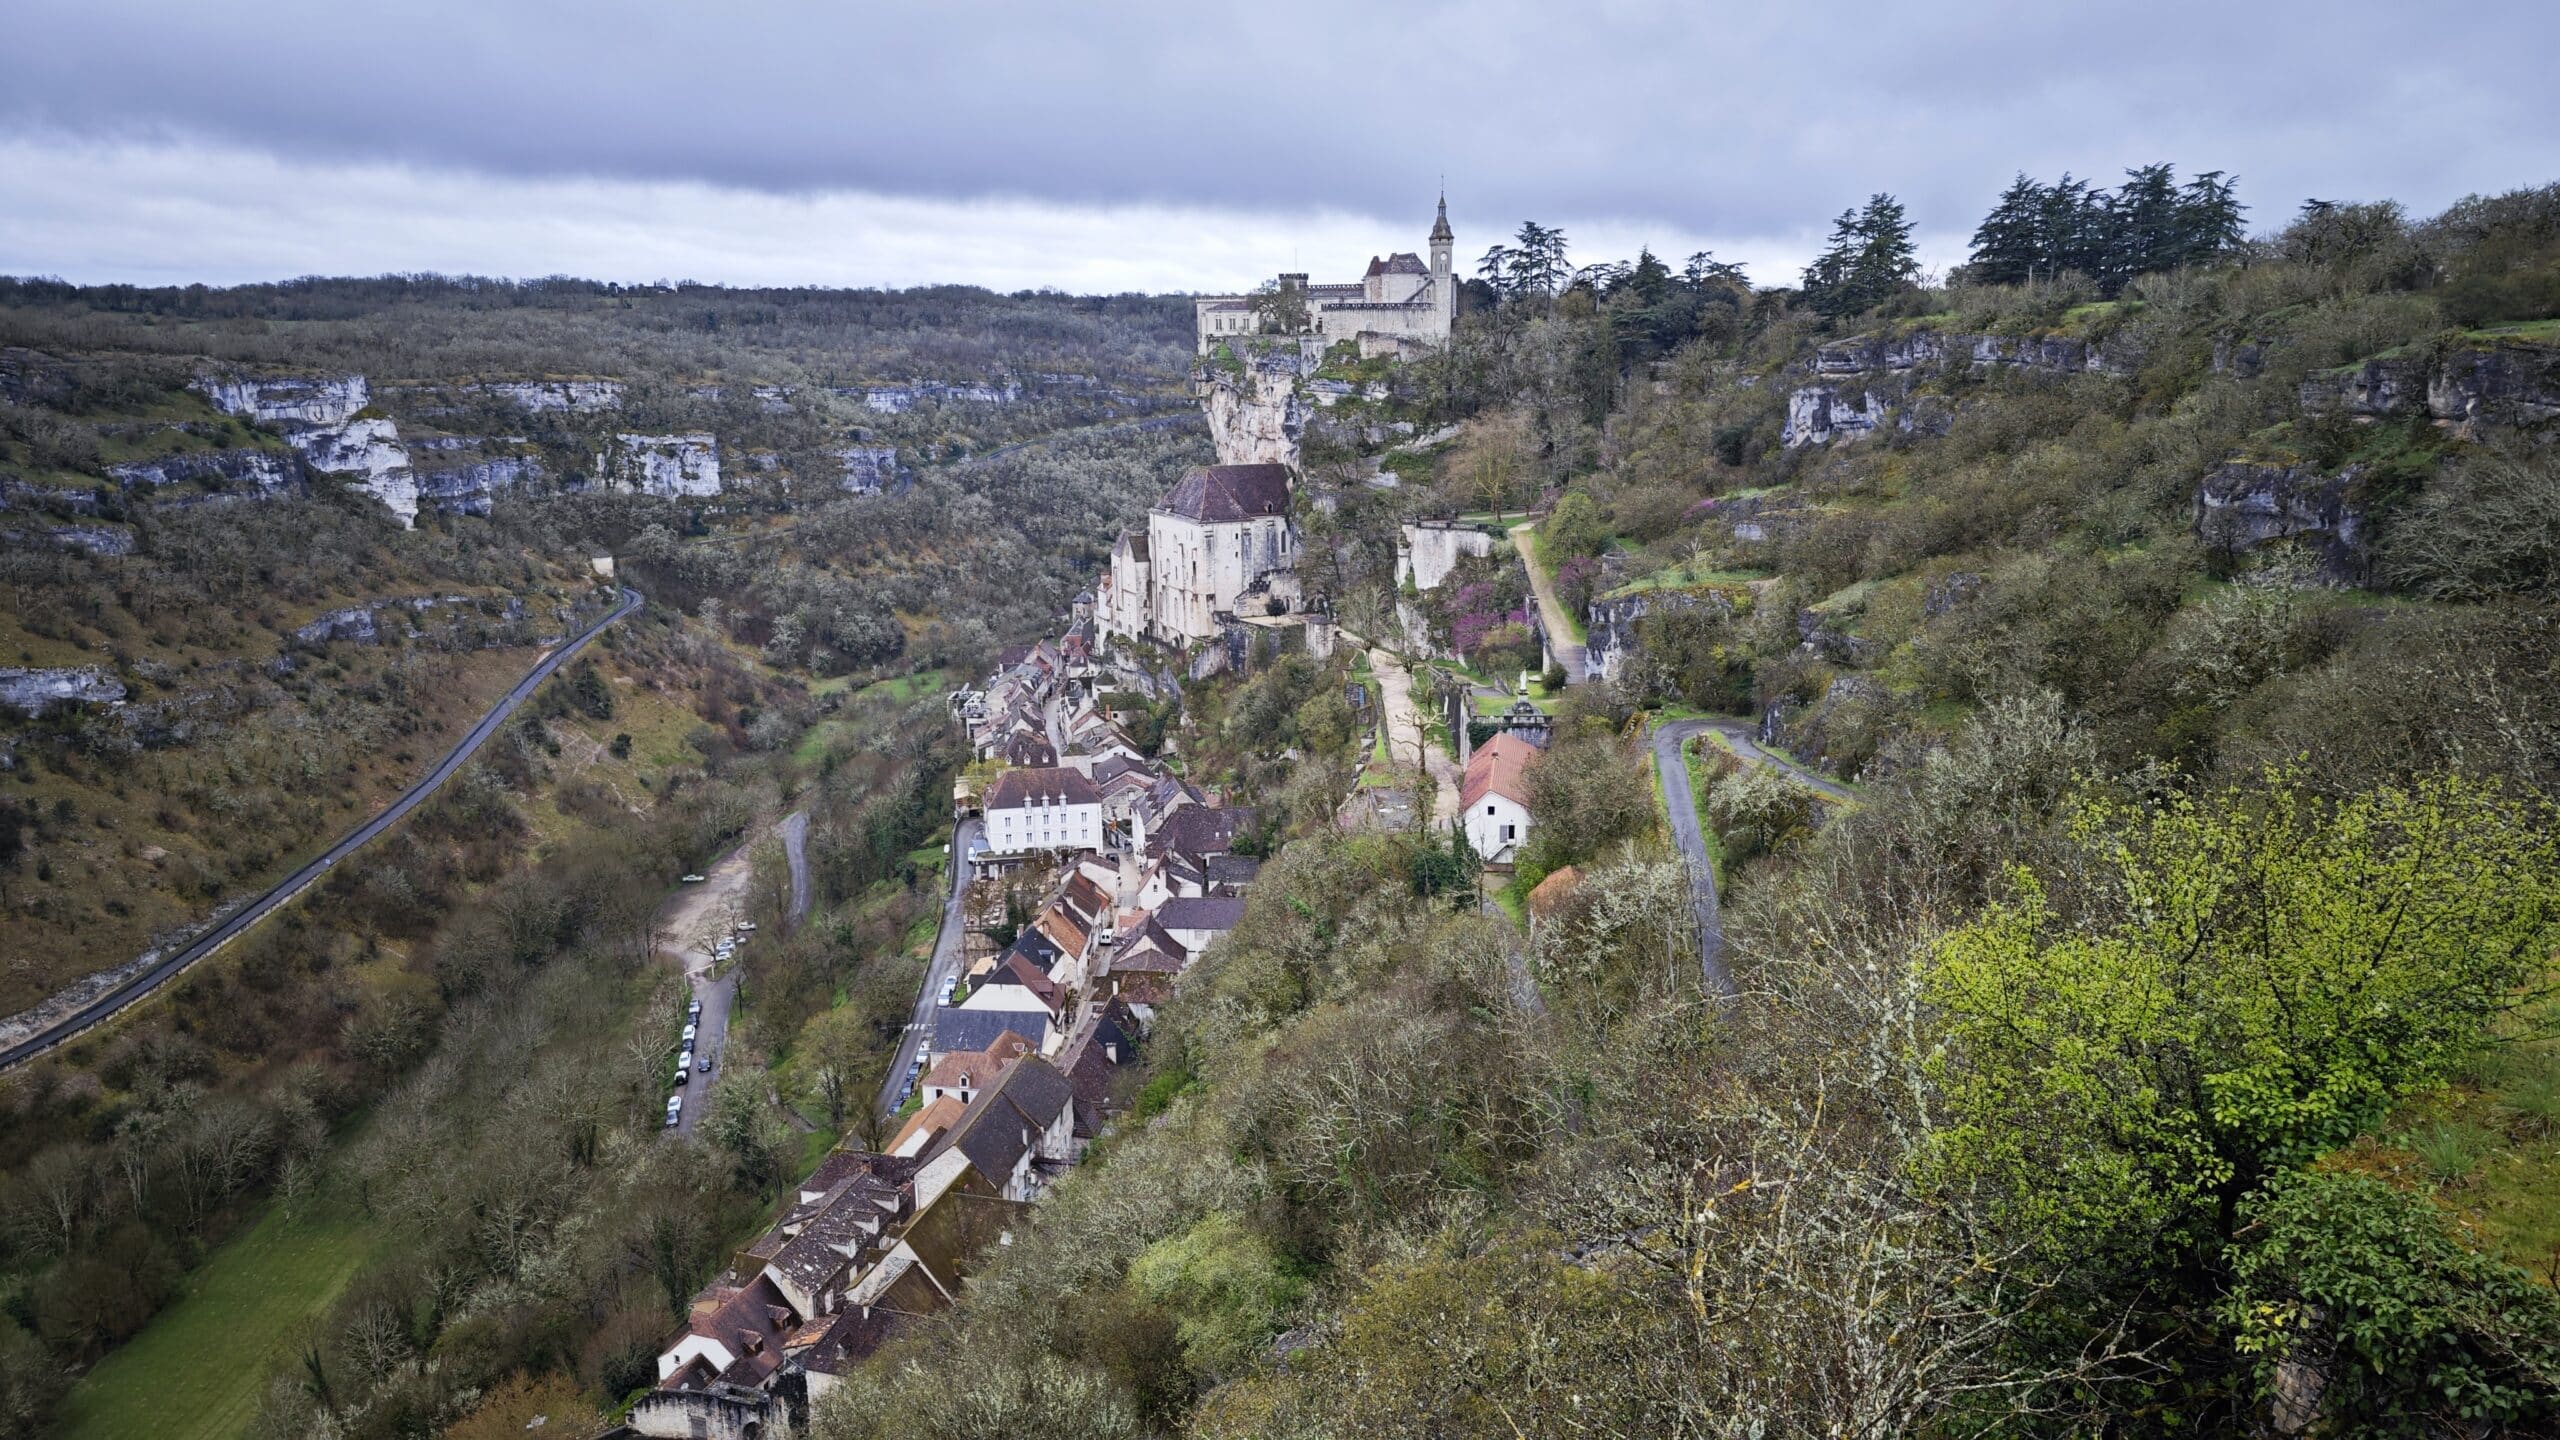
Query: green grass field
point(199, 1369)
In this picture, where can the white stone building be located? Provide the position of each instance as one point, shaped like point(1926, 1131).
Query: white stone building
point(1221, 540)
point(1401, 305)
point(1043, 809)
point(1494, 797)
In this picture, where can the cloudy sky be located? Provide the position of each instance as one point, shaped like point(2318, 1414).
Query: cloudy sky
point(1164, 145)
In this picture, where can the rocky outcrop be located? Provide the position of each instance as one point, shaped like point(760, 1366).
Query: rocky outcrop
point(256, 472)
point(323, 419)
point(31, 377)
point(1820, 414)
point(473, 489)
point(2245, 506)
point(899, 399)
point(32, 692)
point(96, 539)
point(447, 622)
point(1931, 349)
point(1427, 550)
point(2472, 384)
point(577, 397)
point(677, 466)
point(290, 401)
point(1256, 407)
point(868, 469)
point(1818, 636)
point(1840, 731)
point(1610, 626)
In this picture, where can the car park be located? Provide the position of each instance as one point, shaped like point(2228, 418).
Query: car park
point(675, 1110)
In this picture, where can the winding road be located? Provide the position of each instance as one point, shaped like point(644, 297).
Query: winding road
point(131, 991)
point(1682, 803)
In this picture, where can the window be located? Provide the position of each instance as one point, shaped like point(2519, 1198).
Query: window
point(1488, 809)
point(1510, 832)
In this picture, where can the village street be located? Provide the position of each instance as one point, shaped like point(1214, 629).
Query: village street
point(944, 966)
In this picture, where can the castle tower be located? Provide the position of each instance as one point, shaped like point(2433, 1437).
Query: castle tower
point(1444, 282)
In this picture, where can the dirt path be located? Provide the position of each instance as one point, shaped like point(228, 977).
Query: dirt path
point(1406, 737)
point(698, 918)
point(1552, 615)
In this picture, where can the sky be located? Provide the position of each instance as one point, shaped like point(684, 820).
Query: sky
point(1097, 146)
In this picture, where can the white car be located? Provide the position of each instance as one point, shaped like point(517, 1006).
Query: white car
point(693, 1010)
point(746, 925)
point(693, 879)
point(684, 1062)
point(675, 1110)
point(688, 1037)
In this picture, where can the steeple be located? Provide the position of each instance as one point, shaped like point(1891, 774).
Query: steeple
point(1440, 232)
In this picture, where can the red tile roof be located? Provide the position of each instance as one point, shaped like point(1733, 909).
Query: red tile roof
point(1500, 766)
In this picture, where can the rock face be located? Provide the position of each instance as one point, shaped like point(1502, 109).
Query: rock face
point(96, 539)
point(2243, 506)
point(32, 691)
point(261, 472)
point(1257, 417)
point(869, 469)
point(686, 465)
point(574, 396)
point(445, 622)
point(318, 417)
point(1929, 349)
point(1820, 414)
point(2471, 384)
point(1611, 623)
point(291, 401)
point(472, 489)
point(899, 399)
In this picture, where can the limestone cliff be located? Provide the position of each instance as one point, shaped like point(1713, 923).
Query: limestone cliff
point(2471, 383)
point(1256, 404)
point(570, 396)
point(323, 417)
point(2245, 506)
point(686, 465)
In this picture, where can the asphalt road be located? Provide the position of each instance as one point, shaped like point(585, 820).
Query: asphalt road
point(945, 964)
point(1685, 832)
point(109, 1004)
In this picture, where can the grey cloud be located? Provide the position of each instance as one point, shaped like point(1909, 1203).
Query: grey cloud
point(1724, 119)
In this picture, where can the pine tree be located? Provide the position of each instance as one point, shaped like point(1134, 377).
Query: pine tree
point(1869, 260)
point(2008, 246)
point(2209, 217)
point(2144, 227)
point(1828, 276)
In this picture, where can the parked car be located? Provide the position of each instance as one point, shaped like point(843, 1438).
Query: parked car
point(675, 1110)
point(693, 879)
point(705, 1065)
point(688, 1036)
point(745, 926)
point(693, 1010)
point(684, 1062)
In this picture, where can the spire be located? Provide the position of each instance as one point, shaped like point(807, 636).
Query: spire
point(1440, 227)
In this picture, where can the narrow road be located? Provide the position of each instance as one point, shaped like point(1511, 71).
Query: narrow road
point(794, 831)
point(1686, 832)
point(126, 994)
point(944, 965)
point(1552, 616)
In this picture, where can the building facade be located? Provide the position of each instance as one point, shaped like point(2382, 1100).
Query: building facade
point(1400, 305)
point(1218, 542)
point(1494, 797)
point(1043, 809)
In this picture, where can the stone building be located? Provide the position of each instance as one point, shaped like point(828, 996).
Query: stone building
point(1401, 305)
point(1220, 544)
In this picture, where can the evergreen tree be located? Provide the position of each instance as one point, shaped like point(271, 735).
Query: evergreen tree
point(2008, 247)
point(2209, 217)
point(1870, 259)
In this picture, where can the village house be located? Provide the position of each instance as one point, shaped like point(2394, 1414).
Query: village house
point(1045, 808)
point(1493, 796)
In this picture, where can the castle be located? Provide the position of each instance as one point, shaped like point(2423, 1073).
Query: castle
point(1399, 307)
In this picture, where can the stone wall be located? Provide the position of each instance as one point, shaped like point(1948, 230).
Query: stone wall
point(1430, 549)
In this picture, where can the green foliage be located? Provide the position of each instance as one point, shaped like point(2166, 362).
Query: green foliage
point(2403, 1328)
point(1226, 1287)
point(1869, 259)
point(2252, 982)
point(1757, 812)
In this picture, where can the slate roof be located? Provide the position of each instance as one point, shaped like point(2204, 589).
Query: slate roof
point(957, 1029)
point(1499, 767)
point(1095, 1057)
point(976, 1069)
point(1027, 1097)
point(1216, 494)
point(1200, 831)
point(1232, 874)
point(1017, 789)
point(1405, 262)
point(852, 1334)
point(1200, 912)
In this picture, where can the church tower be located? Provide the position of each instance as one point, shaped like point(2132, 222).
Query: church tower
point(1444, 280)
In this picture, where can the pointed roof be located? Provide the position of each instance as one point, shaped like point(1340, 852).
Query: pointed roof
point(1500, 766)
point(1216, 493)
point(1440, 227)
